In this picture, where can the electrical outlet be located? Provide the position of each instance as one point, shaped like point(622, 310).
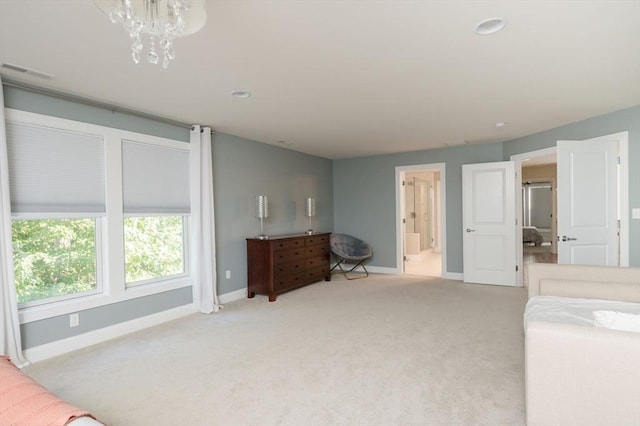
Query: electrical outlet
point(228, 274)
point(74, 320)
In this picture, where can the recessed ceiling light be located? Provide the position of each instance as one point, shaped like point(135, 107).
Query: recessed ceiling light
point(241, 94)
point(490, 26)
point(501, 124)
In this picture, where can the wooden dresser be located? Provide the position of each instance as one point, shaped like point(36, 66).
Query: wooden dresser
point(282, 263)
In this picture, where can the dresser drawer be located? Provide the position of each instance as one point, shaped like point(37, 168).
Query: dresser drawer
point(288, 244)
point(314, 262)
point(317, 250)
point(290, 281)
point(317, 274)
point(283, 269)
point(285, 256)
point(319, 239)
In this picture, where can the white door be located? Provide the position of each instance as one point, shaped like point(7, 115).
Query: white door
point(587, 202)
point(490, 235)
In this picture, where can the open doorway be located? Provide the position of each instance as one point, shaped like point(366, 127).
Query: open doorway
point(616, 217)
point(539, 211)
point(420, 207)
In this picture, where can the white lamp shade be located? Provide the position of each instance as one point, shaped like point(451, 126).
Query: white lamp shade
point(262, 206)
point(310, 207)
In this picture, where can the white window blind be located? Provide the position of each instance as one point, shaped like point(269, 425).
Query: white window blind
point(155, 178)
point(53, 170)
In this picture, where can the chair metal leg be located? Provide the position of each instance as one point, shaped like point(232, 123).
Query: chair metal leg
point(339, 261)
point(345, 272)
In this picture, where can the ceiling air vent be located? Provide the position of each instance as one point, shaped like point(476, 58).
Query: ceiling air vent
point(23, 70)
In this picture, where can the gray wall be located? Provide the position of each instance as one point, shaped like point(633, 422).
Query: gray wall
point(364, 195)
point(56, 107)
point(243, 169)
point(364, 191)
point(49, 330)
point(620, 121)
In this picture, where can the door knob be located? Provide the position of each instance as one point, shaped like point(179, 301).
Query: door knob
point(565, 238)
point(471, 230)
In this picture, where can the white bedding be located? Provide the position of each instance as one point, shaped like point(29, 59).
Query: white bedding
point(571, 310)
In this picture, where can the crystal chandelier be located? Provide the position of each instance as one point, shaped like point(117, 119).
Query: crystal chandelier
point(160, 20)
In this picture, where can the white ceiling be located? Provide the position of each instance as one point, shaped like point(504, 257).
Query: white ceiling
point(349, 78)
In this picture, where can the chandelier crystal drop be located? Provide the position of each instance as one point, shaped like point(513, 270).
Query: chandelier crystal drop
point(161, 21)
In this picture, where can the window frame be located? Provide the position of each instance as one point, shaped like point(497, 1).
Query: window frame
point(110, 239)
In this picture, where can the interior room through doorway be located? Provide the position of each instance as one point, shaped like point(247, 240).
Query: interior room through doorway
point(422, 236)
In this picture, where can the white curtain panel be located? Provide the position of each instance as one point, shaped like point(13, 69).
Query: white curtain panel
point(202, 223)
point(10, 341)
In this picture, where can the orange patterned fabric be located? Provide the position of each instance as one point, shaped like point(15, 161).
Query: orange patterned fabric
point(23, 402)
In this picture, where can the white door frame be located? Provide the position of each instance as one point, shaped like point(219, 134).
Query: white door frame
point(400, 214)
point(623, 139)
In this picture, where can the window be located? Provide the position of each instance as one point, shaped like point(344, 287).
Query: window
point(156, 202)
point(54, 258)
point(100, 215)
point(57, 192)
point(154, 247)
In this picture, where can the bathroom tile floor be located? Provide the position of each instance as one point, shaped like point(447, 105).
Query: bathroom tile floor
point(430, 264)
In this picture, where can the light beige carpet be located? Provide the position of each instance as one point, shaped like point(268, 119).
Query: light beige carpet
point(380, 351)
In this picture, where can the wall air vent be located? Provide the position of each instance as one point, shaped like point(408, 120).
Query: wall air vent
point(23, 70)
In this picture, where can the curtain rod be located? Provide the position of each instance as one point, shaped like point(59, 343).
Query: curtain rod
point(94, 103)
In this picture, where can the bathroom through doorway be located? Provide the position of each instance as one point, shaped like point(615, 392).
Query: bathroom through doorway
point(422, 216)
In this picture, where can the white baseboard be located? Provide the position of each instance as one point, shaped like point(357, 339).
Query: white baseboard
point(236, 295)
point(382, 270)
point(453, 276)
point(232, 296)
point(59, 347)
point(394, 271)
